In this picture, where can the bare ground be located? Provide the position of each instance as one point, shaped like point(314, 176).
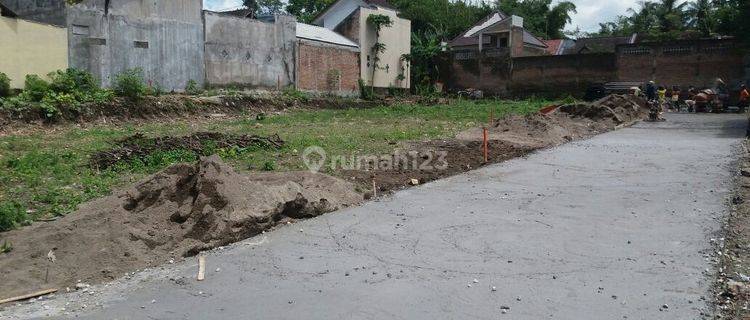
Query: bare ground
point(190, 208)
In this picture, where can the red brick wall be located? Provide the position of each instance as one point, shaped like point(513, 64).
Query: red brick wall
point(681, 63)
point(327, 68)
point(561, 75)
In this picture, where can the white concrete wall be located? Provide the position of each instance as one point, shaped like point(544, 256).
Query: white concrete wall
point(397, 40)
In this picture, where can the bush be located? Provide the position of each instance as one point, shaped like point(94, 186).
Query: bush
point(35, 88)
point(192, 88)
point(130, 84)
point(4, 85)
point(67, 90)
point(365, 92)
point(294, 94)
point(72, 81)
point(11, 215)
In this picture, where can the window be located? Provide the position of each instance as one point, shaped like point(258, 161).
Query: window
point(140, 44)
point(80, 30)
point(97, 41)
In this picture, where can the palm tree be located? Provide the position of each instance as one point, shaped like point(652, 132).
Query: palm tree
point(701, 16)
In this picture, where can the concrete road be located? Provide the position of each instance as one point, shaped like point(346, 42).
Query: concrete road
point(614, 227)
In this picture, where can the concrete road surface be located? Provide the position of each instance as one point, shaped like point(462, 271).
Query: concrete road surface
point(615, 227)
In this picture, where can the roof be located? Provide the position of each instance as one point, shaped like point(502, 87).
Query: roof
point(599, 44)
point(558, 47)
point(379, 3)
point(469, 39)
point(6, 12)
point(315, 33)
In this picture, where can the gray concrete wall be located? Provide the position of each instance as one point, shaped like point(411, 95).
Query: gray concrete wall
point(163, 38)
point(249, 53)
point(44, 11)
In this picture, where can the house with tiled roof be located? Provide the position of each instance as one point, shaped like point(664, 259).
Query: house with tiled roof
point(500, 34)
point(386, 69)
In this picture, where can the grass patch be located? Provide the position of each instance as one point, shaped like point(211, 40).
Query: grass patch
point(47, 174)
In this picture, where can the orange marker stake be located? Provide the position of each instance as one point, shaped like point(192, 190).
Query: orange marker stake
point(486, 146)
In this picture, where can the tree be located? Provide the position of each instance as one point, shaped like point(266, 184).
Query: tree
point(307, 10)
point(262, 7)
point(702, 17)
point(540, 16)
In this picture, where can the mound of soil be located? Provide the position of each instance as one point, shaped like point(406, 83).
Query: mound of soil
point(175, 213)
point(139, 147)
point(567, 123)
point(510, 137)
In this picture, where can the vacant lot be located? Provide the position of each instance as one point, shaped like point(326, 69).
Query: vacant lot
point(46, 173)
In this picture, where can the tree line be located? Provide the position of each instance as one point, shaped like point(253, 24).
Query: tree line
point(671, 19)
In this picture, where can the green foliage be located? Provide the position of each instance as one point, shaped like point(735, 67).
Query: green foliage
point(35, 88)
point(269, 166)
point(366, 92)
point(292, 93)
point(670, 19)
point(541, 17)
point(450, 17)
point(130, 84)
point(4, 85)
point(379, 21)
point(306, 10)
point(192, 88)
point(11, 215)
point(67, 90)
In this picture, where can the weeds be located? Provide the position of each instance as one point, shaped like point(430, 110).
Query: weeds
point(6, 247)
point(48, 174)
point(130, 84)
point(67, 90)
point(4, 85)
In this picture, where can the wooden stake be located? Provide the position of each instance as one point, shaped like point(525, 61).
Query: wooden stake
point(374, 189)
point(29, 296)
point(201, 268)
point(486, 145)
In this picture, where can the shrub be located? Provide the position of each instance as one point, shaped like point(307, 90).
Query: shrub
point(130, 84)
point(4, 85)
point(192, 88)
point(11, 215)
point(294, 94)
point(35, 88)
point(366, 92)
point(67, 90)
point(72, 81)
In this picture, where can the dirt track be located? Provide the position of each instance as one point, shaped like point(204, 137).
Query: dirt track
point(618, 225)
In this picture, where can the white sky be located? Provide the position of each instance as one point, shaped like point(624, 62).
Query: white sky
point(590, 12)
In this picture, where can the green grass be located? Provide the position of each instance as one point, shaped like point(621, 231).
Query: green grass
point(46, 174)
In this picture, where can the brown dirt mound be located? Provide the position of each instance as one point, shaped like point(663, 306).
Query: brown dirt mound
point(511, 137)
point(175, 213)
point(139, 147)
point(567, 123)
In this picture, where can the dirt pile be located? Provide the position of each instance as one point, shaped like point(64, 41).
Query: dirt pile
point(202, 143)
point(510, 137)
point(566, 123)
point(175, 213)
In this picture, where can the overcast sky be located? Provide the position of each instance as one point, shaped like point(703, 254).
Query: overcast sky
point(590, 12)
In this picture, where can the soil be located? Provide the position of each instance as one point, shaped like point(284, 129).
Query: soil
point(189, 208)
point(510, 137)
point(733, 282)
point(175, 106)
point(176, 213)
point(139, 147)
